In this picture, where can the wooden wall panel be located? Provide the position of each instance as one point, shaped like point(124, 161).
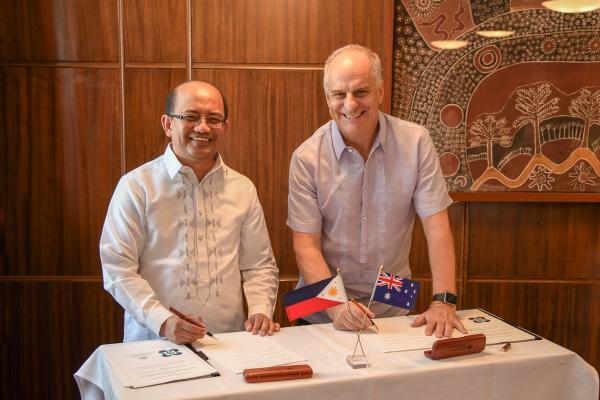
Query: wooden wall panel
point(58, 30)
point(565, 313)
point(534, 240)
point(48, 330)
point(419, 257)
point(155, 30)
point(5, 100)
point(145, 97)
point(286, 283)
point(271, 113)
point(283, 31)
point(62, 165)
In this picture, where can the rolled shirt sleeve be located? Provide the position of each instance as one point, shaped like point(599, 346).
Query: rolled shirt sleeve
point(431, 192)
point(304, 214)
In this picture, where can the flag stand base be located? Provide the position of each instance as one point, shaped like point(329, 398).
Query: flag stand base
point(356, 361)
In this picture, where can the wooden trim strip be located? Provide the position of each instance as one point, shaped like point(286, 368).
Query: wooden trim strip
point(571, 281)
point(388, 55)
point(61, 64)
point(299, 67)
point(294, 278)
point(288, 278)
point(464, 262)
point(578, 281)
point(188, 64)
point(121, 22)
point(197, 65)
point(526, 197)
point(87, 278)
point(50, 278)
point(156, 65)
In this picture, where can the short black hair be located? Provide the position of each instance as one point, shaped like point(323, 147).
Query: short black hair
point(172, 96)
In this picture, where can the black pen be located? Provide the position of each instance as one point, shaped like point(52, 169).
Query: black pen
point(183, 317)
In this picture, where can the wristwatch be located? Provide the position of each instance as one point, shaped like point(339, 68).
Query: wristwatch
point(446, 297)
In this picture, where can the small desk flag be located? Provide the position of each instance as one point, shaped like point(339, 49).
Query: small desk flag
point(314, 297)
point(393, 290)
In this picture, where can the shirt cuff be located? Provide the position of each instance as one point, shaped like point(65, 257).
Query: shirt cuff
point(156, 317)
point(303, 227)
point(262, 309)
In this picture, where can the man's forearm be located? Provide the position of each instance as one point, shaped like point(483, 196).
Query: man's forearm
point(310, 260)
point(443, 266)
point(312, 266)
point(440, 247)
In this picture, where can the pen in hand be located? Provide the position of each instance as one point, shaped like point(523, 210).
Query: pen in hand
point(365, 311)
point(183, 317)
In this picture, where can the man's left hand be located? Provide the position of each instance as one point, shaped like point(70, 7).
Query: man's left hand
point(441, 318)
point(261, 324)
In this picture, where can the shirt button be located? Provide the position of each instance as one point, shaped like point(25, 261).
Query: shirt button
point(349, 150)
point(364, 192)
point(364, 218)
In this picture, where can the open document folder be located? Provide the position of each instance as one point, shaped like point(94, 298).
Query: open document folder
point(398, 335)
point(139, 364)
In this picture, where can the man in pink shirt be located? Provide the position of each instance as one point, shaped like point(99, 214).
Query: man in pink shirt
point(354, 188)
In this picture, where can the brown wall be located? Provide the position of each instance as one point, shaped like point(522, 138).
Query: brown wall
point(82, 90)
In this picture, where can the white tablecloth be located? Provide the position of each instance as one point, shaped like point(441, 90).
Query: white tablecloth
point(530, 370)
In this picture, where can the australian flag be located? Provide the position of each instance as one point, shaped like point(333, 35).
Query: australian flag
point(391, 289)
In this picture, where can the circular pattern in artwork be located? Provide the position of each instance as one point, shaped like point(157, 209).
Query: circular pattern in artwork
point(594, 45)
point(487, 59)
point(449, 163)
point(548, 46)
point(451, 115)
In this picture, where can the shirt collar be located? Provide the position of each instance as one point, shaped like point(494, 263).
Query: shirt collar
point(338, 141)
point(174, 166)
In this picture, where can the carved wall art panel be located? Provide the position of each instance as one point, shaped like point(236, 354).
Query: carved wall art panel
point(509, 114)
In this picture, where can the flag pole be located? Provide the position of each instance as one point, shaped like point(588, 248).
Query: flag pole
point(358, 342)
point(374, 286)
point(353, 360)
point(368, 305)
point(353, 322)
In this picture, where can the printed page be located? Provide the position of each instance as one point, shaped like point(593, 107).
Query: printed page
point(147, 363)
point(240, 350)
point(398, 335)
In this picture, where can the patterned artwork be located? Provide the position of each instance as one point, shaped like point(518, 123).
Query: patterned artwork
point(513, 114)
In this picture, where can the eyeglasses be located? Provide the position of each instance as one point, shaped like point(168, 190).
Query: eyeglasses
point(214, 121)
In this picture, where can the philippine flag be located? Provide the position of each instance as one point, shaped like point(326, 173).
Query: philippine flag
point(315, 297)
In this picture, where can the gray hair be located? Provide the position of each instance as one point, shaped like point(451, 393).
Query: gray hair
point(373, 57)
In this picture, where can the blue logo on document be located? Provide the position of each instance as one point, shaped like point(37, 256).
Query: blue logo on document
point(479, 320)
point(169, 352)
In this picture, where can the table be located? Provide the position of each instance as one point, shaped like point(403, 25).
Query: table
point(530, 370)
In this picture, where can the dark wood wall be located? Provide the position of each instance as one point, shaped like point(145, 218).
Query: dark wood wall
point(82, 88)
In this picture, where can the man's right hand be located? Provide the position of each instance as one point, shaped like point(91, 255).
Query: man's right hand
point(180, 331)
point(343, 320)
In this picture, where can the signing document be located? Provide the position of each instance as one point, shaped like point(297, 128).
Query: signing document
point(240, 350)
point(139, 364)
point(398, 335)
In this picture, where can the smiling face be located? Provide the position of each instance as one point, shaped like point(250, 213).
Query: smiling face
point(196, 146)
point(353, 97)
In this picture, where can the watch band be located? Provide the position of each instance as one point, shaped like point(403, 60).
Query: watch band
point(446, 297)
